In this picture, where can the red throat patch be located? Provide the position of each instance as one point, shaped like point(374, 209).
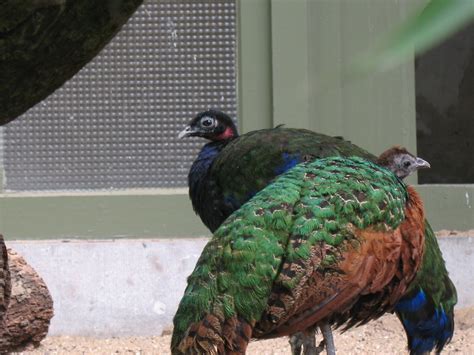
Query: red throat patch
point(228, 133)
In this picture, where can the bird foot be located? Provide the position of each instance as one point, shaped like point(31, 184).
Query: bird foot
point(304, 343)
point(310, 348)
point(296, 343)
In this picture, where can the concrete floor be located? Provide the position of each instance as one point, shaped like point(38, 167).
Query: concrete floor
point(133, 287)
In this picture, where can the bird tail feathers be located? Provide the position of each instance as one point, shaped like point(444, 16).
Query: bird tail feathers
point(215, 336)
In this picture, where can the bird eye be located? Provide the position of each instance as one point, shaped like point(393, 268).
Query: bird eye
point(207, 121)
point(406, 164)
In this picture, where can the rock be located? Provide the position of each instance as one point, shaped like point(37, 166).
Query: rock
point(27, 319)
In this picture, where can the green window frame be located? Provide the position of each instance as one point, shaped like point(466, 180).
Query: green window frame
point(292, 57)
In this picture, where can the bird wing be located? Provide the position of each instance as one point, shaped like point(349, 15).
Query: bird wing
point(268, 247)
point(345, 243)
point(229, 287)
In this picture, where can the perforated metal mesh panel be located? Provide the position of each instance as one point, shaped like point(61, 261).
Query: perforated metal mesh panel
point(115, 124)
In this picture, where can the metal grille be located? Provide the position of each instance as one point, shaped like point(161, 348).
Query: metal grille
point(115, 124)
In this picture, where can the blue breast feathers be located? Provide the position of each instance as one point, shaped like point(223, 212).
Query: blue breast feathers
point(207, 155)
point(203, 162)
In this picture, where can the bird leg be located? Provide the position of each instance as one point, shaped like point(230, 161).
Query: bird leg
point(296, 343)
point(320, 347)
point(328, 338)
point(309, 344)
point(304, 343)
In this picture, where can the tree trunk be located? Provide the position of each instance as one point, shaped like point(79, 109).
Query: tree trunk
point(5, 285)
point(30, 309)
point(45, 42)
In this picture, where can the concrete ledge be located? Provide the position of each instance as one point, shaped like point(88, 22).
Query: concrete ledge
point(459, 255)
point(113, 288)
point(133, 287)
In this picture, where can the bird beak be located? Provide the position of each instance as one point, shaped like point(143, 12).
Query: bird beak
point(186, 132)
point(422, 164)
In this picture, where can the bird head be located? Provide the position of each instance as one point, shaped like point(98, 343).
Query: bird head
point(213, 125)
point(401, 162)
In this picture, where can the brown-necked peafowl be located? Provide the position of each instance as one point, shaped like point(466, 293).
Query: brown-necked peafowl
point(336, 240)
point(231, 169)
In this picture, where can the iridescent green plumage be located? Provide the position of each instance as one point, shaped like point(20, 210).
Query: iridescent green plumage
point(314, 204)
point(229, 172)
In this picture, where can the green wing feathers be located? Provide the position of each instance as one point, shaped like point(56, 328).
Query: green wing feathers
point(315, 203)
point(340, 195)
point(235, 272)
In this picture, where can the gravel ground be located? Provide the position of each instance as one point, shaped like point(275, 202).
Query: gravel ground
point(384, 336)
point(453, 233)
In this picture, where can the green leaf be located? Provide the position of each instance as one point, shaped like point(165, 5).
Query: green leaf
point(438, 20)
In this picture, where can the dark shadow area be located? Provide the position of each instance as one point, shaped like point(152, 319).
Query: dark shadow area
point(445, 110)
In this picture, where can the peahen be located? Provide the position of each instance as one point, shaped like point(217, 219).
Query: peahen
point(337, 240)
point(231, 169)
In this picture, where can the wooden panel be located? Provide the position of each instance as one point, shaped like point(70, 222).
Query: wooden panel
point(255, 65)
point(290, 63)
point(376, 111)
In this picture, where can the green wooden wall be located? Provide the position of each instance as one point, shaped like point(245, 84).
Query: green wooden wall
point(293, 58)
point(313, 43)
